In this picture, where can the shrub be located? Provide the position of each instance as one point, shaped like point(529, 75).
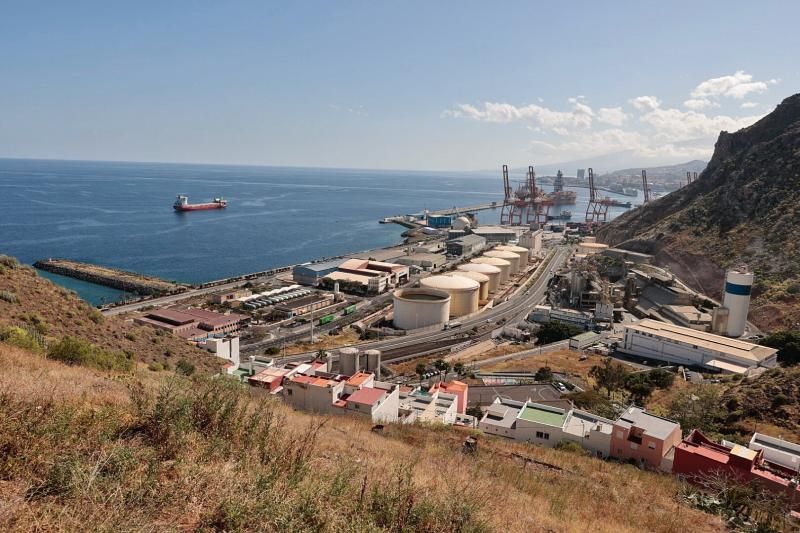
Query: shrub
point(95, 316)
point(130, 336)
point(555, 331)
point(9, 262)
point(75, 351)
point(570, 446)
point(185, 367)
point(9, 297)
point(21, 338)
point(155, 367)
point(39, 323)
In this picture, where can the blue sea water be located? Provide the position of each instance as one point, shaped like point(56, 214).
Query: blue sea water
point(120, 214)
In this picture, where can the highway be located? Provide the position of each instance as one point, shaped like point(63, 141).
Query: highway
point(511, 311)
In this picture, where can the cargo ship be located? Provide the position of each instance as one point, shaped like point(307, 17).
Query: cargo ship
point(563, 215)
point(562, 197)
point(182, 204)
point(618, 203)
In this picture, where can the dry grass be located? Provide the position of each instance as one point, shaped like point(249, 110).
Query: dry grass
point(62, 313)
point(203, 455)
point(564, 361)
point(325, 342)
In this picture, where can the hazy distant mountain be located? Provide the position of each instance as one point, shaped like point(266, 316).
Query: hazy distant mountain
point(666, 173)
point(602, 164)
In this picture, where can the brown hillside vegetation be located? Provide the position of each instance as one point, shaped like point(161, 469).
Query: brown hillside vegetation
point(742, 209)
point(33, 302)
point(88, 451)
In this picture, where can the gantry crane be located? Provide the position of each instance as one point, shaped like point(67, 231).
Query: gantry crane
point(646, 188)
point(597, 210)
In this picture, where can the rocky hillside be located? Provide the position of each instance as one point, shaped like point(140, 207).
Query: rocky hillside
point(51, 312)
point(743, 209)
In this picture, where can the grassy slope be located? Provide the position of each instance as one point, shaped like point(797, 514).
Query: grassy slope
point(79, 455)
point(66, 314)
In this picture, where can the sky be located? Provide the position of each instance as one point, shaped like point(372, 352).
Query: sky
point(389, 85)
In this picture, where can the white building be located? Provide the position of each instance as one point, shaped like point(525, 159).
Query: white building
point(652, 339)
point(225, 348)
point(592, 432)
point(778, 451)
point(421, 406)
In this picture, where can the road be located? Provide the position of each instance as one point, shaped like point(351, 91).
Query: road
point(510, 311)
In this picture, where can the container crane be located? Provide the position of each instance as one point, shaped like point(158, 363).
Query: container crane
point(646, 187)
point(597, 210)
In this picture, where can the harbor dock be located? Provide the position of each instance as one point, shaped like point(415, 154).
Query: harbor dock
point(110, 277)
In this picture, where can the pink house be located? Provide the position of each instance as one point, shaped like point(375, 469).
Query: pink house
point(647, 439)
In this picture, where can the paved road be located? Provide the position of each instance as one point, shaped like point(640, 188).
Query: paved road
point(512, 310)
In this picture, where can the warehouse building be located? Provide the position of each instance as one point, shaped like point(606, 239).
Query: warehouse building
point(495, 234)
point(651, 339)
point(424, 260)
point(304, 305)
point(466, 245)
point(312, 273)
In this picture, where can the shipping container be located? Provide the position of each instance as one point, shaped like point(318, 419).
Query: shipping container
point(326, 319)
point(349, 309)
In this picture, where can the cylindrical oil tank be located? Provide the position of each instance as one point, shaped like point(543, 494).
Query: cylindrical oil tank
point(482, 279)
point(348, 361)
point(521, 251)
point(373, 361)
point(591, 247)
point(463, 292)
point(502, 264)
point(420, 308)
point(490, 271)
point(736, 299)
point(511, 257)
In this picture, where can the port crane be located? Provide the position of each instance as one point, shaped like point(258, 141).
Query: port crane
point(526, 203)
point(597, 210)
point(648, 195)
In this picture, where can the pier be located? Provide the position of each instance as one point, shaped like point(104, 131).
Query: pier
point(110, 277)
point(412, 221)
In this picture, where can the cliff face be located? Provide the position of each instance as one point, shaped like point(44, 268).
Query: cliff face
point(743, 209)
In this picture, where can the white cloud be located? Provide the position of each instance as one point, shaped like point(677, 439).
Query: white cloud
point(737, 85)
point(580, 116)
point(748, 105)
point(699, 103)
point(645, 103)
point(613, 116)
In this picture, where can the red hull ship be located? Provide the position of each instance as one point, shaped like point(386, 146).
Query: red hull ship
point(182, 204)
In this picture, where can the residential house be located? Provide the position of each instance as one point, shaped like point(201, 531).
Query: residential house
point(647, 439)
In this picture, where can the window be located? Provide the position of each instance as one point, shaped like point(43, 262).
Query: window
point(289, 392)
point(634, 446)
point(651, 445)
point(542, 435)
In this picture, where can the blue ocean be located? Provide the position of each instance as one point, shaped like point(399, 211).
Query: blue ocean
point(120, 214)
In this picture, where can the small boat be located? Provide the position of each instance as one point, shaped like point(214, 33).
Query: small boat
point(182, 204)
point(563, 215)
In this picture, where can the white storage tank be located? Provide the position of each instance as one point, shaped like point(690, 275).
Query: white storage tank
point(502, 264)
point(591, 247)
point(348, 361)
point(482, 279)
point(738, 284)
point(420, 308)
point(522, 252)
point(490, 271)
point(463, 292)
point(511, 257)
point(373, 362)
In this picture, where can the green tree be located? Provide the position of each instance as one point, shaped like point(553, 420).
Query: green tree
point(609, 375)
point(698, 408)
point(475, 411)
point(661, 378)
point(640, 387)
point(185, 367)
point(543, 374)
point(458, 368)
point(555, 331)
point(421, 369)
point(788, 345)
point(442, 366)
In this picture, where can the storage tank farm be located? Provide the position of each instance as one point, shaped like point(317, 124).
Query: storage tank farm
point(502, 264)
point(420, 308)
point(511, 257)
point(482, 279)
point(463, 292)
point(738, 284)
point(521, 251)
point(490, 271)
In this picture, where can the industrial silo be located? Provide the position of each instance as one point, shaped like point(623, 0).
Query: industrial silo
point(482, 279)
point(736, 300)
point(349, 361)
point(502, 264)
point(420, 308)
point(522, 252)
point(511, 257)
point(463, 292)
point(373, 361)
point(490, 271)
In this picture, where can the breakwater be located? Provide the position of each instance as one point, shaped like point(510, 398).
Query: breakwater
point(110, 277)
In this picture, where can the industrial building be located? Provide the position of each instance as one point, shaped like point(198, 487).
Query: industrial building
point(511, 257)
point(660, 341)
point(532, 240)
point(502, 264)
point(482, 279)
point(463, 292)
point(490, 271)
point(687, 316)
point(356, 283)
point(495, 234)
point(424, 260)
point(304, 305)
point(420, 308)
point(229, 296)
point(466, 245)
point(584, 340)
point(192, 323)
point(395, 274)
point(543, 314)
point(312, 273)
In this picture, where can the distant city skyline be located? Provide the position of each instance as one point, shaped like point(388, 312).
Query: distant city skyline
point(417, 86)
